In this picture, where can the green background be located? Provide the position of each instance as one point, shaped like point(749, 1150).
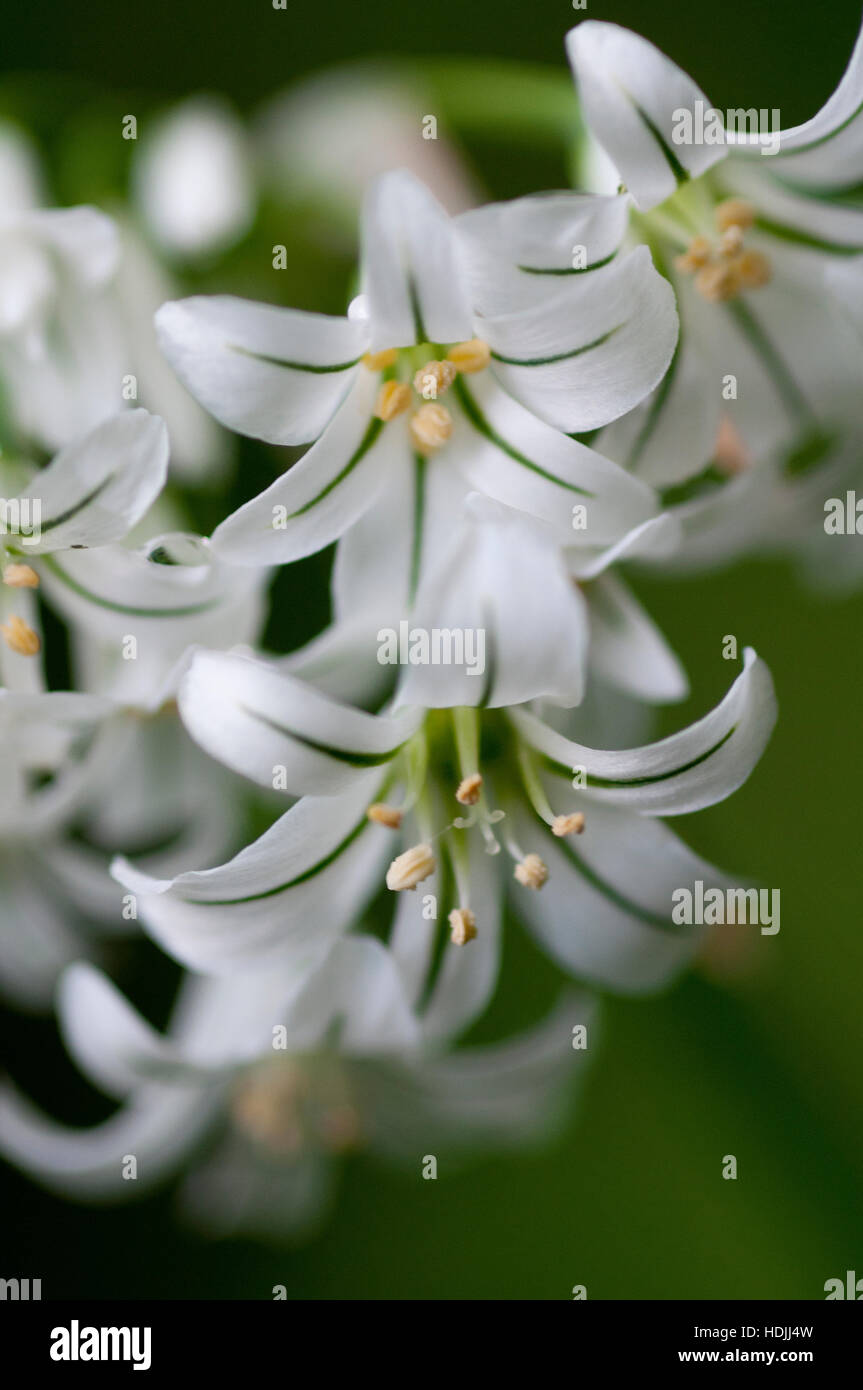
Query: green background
point(766, 1065)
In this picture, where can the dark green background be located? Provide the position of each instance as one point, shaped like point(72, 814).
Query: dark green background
point(630, 1200)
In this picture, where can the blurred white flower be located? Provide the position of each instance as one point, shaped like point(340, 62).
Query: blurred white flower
point(748, 240)
point(193, 178)
point(250, 1058)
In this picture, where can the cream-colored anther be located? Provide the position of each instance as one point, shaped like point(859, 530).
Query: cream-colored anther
point(382, 814)
point(20, 637)
point(462, 926)
point(410, 868)
point(469, 789)
point(430, 428)
point(378, 361)
point(568, 825)
point(734, 212)
point(19, 576)
point(394, 397)
point(433, 379)
point(531, 872)
point(469, 357)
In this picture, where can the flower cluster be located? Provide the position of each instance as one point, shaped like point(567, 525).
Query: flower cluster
point(333, 844)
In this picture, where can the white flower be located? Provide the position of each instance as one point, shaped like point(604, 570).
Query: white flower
point(746, 239)
point(524, 377)
point(286, 1109)
point(192, 179)
point(605, 911)
point(134, 614)
point(55, 270)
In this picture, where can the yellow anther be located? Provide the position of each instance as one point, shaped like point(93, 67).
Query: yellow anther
point(19, 576)
point(469, 789)
point(410, 868)
point(698, 254)
point(462, 926)
point(430, 428)
point(377, 361)
point(734, 212)
point(20, 637)
point(531, 872)
point(433, 379)
point(754, 269)
point(719, 281)
point(472, 356)
point(382, 814)
point(568, 825)
point(393, 398)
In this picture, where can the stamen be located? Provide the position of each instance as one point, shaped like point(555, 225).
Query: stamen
point(568, 825)
point(754, 269)
point(719, 282)
point(469, 789)
point(730, 452)
point(433, 379)
point(19, 576)
point(378, 361)
point(469, 357)
point(382, 814)
point(697, 254)
point(430, 428)
point(731, 241)
point(410, 868)
point(20, 637)
point(531, 872)
point(393, 398)
point(734, 212)
point(463, 926)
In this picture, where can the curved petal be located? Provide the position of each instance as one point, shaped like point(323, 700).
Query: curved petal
point(275, 374)
point(487, 632)
point(604, 913)
point(163, 597)
point(95, 490)
point(285, 898)
point(631, 96)
point(827, 150)
point(412, 277)
point(158, 1128)
point(512, 456)
point(324, 492)
point(592, 352)
point(257, 719)
point(627, 649)
point(524, 250)
point(694, 768)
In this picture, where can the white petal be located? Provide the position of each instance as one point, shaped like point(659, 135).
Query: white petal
point(285, 898)
point(96, 489)
point(509, 454)
point(593, 351)
point(256, 719)
point(627, 648)
point(275, 374)
point(412, 276)
point(166, 596)
point(497, 634)
point(694, 768)
point(630, 94)
point(604, 913)
point(325, 491)
point(521, 251)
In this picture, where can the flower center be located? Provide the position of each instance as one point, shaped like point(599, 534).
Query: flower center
point(430, 423)
point(724, 266)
